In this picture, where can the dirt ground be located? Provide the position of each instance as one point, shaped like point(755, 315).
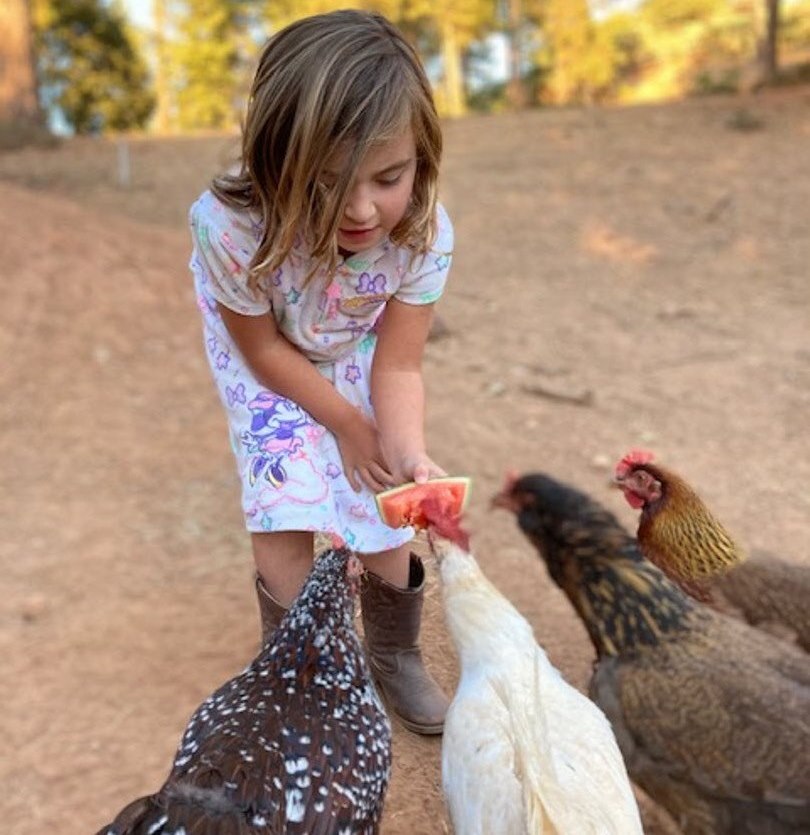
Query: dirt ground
point(622, 277)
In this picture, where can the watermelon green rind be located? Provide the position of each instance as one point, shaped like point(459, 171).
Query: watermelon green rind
point(456, 481)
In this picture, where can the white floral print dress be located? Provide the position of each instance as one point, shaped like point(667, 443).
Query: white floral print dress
point(290, 468)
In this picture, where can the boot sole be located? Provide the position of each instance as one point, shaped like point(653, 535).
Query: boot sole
point(422, 730)
point(413, 727)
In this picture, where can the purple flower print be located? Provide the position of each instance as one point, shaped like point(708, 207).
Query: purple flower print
point(223, 359)
point(235, 395)
point(352, 373)
point(357, 330)
point(332, 470)
point(366, 283)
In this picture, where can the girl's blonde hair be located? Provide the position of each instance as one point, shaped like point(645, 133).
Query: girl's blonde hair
point(347, 80)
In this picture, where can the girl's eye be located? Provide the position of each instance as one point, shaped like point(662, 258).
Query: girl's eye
point(390, 181)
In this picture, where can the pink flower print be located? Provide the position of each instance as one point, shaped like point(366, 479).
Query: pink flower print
point(367, 284)
point(223, 359)
point(352, 374)
point(235, 395)
point(332, 298)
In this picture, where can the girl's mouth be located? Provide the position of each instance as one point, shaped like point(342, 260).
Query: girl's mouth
point(354, 234)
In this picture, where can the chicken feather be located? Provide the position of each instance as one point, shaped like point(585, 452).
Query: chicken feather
point(523, 751)
point(678, 533)
point(711, 714)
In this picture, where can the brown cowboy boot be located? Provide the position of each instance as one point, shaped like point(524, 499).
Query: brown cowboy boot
point(270, 609)
point(391, 619)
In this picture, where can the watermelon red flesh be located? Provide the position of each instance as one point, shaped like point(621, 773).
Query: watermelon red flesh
point(436, 504)
point(402, 505)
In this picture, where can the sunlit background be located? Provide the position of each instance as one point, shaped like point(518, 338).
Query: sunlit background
point(175, 66)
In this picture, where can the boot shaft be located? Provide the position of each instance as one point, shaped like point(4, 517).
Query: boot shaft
point(391, 621)
point(392, 616)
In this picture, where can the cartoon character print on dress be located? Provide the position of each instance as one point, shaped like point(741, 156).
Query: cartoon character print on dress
point(274, 435)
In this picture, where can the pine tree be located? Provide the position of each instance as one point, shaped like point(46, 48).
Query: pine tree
point(91, 68)
point(206, 64)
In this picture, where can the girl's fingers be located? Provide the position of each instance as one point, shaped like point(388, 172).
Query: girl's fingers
point(383, 476)
point(377, 478)
point(351, 476)
point(421, 473)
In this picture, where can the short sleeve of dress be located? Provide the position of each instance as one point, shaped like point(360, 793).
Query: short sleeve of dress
point(224, 242)
point(424, 282)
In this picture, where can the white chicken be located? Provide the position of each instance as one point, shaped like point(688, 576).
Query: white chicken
point(524, 752)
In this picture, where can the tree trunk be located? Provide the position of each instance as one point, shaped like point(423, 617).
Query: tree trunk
point(767, 48)
point(515, 89)
point(453, 75)
point(162, 117)
point(19, 101)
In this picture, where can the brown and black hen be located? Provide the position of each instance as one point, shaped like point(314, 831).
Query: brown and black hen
point(299, 742)
point(712, 715)
point(686, 541)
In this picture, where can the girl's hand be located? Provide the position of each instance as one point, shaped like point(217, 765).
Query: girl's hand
point(363, 460)
point(418, 467)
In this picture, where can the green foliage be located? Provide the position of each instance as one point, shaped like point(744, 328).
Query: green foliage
point(577, 54)
point(694, 46)
point(666, 14)
point(205, 63)
point(795, 34)
point(90, 67)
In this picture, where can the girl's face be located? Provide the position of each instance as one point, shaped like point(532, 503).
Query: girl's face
point(379, 194)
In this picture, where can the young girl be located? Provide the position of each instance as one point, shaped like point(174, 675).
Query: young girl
point(316, 266)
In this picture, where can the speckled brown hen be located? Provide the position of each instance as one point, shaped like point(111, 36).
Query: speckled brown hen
point(297, 743)
point(678, 532)
point(712, 715)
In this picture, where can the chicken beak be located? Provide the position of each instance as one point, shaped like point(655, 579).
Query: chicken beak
point(506, 501)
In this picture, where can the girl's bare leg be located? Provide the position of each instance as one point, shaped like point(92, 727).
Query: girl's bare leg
point(392, 566)
point(283, 560)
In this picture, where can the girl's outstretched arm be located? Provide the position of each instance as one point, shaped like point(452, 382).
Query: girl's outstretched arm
point(398, 393)
point(281, 367)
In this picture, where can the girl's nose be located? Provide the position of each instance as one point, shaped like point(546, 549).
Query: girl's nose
point(360, 206)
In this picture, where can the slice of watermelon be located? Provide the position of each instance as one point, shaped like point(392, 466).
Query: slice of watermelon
point(437, 504)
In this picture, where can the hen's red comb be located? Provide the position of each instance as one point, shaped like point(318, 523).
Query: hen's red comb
point(633, 459)
point(510, 477)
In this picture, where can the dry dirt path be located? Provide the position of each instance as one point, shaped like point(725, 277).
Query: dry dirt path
point(622, 278)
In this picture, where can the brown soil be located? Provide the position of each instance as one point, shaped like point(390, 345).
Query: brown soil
point(623, 277)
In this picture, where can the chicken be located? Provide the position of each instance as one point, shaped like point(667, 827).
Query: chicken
point(712, 715)
point(523, 751)
point(299, 742)
point(680, 535)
